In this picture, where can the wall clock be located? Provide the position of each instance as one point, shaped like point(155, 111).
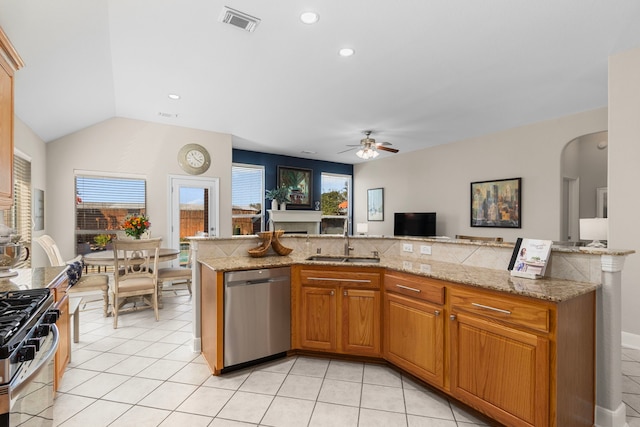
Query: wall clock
point(194, 159)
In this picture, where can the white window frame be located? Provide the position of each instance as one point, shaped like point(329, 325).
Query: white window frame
point(262, 192)
point(347, 217)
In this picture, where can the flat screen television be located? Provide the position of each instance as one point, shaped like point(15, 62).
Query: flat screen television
point(422, 224)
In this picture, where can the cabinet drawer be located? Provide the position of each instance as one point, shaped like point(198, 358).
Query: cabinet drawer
point(340, 278)
point(415, 286)
point(504, 308)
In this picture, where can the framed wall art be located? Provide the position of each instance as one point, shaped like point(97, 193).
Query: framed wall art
point(375, 204)
point(496, 203)
point(298, 182)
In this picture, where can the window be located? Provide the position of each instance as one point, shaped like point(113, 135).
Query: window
point(19, 216)
point(336, 211)
point(102, 203)
point(247, 198)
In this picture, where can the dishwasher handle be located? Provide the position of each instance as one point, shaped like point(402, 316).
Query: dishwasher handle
point(257, 281)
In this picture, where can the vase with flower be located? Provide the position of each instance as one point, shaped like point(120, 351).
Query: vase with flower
point(136, 225)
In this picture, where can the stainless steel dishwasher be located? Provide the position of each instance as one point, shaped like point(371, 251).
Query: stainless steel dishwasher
point(257, 315)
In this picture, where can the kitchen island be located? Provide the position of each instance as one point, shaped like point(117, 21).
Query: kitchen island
point(539, 326)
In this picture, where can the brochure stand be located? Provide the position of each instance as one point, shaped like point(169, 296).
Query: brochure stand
point(529, 258)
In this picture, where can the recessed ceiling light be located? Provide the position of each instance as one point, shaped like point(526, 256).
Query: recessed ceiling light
point(309, 152)
point(174, 96)
point(309, 17)
point(346, 51)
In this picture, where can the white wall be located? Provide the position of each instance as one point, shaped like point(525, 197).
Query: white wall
point(129, 147)
point(30, 144)
point(438, 178)
point(624, 178)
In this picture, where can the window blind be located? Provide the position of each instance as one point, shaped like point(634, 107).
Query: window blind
point(102, 203)
point(19, 216)
point(247, 198)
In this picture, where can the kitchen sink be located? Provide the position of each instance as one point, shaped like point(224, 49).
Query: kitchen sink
point(345, 259)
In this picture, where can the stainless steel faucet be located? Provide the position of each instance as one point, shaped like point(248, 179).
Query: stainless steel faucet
point(347, 246)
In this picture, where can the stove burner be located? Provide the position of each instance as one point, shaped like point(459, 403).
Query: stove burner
point(16, 307)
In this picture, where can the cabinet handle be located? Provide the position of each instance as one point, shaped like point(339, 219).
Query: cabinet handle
point(437, 312)
point(452, 317)
point(344, 293)
point(331, 279)
point(487, 307)
point(408, 288)
point(332, 293)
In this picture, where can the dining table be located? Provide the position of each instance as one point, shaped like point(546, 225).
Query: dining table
point(107, 259)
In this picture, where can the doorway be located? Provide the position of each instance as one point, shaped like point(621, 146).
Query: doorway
point(584, 179)
point(194, 211)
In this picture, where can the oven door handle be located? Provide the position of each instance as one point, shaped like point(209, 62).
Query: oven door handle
point(19, 383)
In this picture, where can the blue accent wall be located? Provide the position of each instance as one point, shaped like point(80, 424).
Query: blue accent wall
point(272, 161)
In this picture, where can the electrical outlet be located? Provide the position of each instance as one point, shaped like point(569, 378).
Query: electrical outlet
point(425, 268)
point(407, 247)
point(425, 249)
point(407, 265)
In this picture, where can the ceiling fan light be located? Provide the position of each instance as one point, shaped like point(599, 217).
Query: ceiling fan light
point(367, 153)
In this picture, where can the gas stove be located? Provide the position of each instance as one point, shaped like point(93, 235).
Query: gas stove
point(25, 318)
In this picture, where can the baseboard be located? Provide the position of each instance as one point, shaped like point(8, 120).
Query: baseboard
point(609, 418)
point(630, 340)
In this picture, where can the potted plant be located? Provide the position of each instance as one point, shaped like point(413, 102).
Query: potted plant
point(278, 196)
point(102, 240)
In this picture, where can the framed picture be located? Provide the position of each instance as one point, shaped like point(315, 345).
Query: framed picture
point(298, 182)
point(496, 203)
point(601, 202)
point(375, 204)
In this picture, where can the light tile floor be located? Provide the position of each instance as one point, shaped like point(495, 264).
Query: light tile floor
point(145, 374)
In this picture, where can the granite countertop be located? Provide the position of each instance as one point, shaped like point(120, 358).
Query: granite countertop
point(31, 278)
point(548, 289)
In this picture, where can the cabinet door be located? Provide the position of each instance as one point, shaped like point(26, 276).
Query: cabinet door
point(361, 321)
point(407, 322)
point(500, 370)
point(318, 318)
point(6, 136)
point(64, 347)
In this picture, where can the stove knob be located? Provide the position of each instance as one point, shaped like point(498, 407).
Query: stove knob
point(26, 353)
point(42, 330)
point(51, 316)
point(36, 342)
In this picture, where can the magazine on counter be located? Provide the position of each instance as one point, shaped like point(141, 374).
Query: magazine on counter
point(530, 257)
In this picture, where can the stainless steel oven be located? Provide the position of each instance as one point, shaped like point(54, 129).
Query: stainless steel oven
point(28, 343)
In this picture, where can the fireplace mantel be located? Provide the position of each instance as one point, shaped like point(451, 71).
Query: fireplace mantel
point(301, 221)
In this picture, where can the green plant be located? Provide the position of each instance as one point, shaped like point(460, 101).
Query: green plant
point(279, 194)
point(102, 239)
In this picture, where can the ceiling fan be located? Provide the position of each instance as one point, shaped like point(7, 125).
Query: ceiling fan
point(369, 147)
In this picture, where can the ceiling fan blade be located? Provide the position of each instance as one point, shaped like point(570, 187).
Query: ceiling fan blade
point(391, 150)
point(348, 149)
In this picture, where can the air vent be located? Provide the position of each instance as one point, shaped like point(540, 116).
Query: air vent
point(239, 19)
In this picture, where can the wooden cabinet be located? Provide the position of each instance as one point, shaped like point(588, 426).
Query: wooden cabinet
point(339, 310)
point(414, 325)
point(212, 321)
point(505, 357)
point(63, 354)
point(10, 62)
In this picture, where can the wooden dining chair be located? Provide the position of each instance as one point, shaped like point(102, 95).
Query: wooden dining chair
point(86, 283)
point(136, 274)
point(176, 276)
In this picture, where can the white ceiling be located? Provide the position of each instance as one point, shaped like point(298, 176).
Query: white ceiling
point(425, 72)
